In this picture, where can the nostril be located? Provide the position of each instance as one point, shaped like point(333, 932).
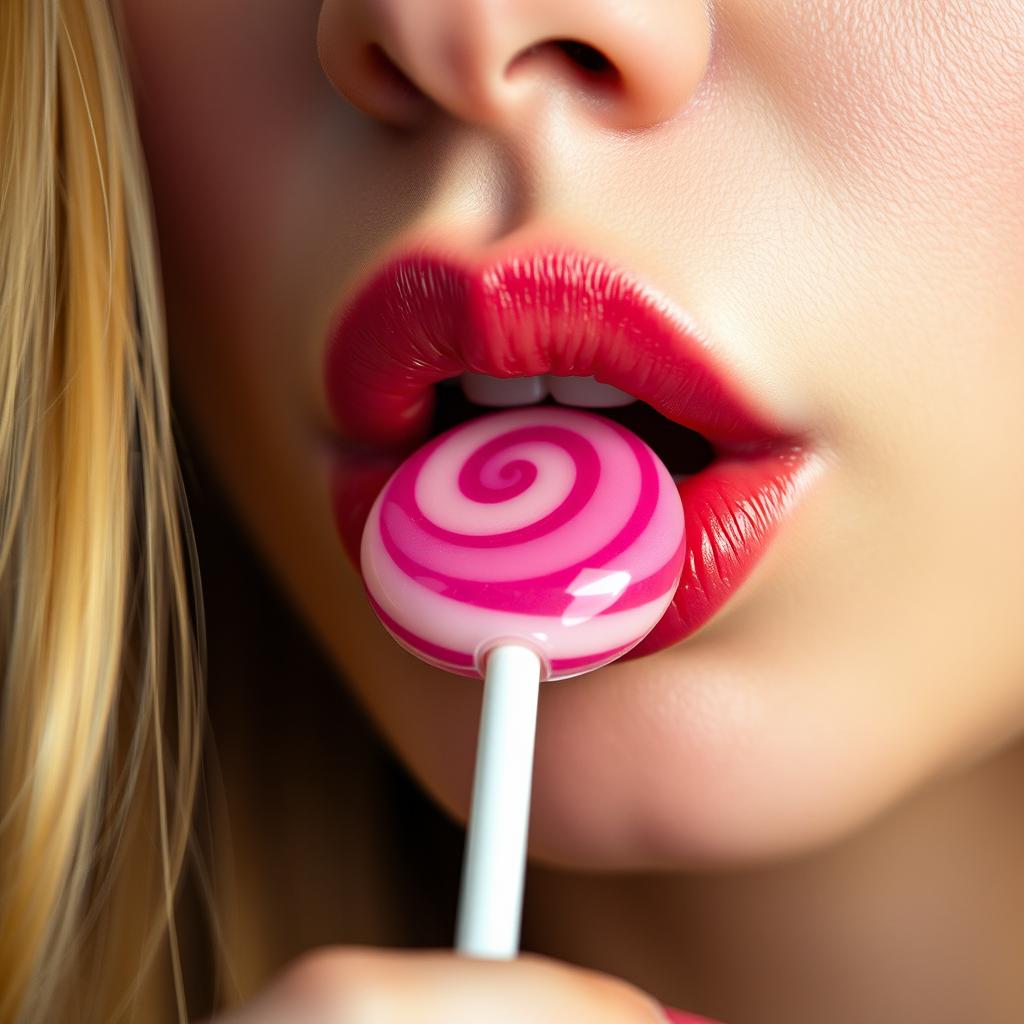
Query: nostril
point(390, 77)
point(586, 61)
point(587, 58)
point(485, 62)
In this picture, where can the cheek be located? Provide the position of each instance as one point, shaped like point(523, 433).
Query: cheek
point(908, 119)
point(226, 93)
point(896, 103)
point(267, 193)
point(223, 96)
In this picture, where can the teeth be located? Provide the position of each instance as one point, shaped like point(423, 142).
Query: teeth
point(587, 392)
point(500, 392)
point(504, 392)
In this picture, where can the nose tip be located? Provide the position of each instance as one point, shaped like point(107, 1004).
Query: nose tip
point(625, 65)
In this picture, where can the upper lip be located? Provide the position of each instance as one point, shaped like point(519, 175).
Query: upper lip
point(426, 316)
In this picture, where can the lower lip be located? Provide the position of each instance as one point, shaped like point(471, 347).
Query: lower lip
point(734, 508)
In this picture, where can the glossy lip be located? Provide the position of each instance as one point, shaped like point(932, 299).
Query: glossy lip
point(425, 317)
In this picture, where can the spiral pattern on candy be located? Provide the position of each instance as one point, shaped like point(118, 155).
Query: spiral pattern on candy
point(547, 526)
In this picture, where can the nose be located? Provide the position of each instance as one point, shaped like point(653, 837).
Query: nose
point(628, 64)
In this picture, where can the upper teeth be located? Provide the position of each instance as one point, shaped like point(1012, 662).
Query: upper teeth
point(481, 389)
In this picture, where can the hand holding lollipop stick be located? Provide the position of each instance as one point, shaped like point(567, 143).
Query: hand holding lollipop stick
point(524, 546)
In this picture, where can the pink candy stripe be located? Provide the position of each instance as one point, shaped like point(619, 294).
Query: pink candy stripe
point(464, 664)
point(547, 594)
point(559, 665)
point(402, 491)
point(419, 643)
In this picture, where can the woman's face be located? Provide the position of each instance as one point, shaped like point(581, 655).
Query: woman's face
point(834, 193)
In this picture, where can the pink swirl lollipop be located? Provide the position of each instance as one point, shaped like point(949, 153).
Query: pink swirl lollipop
point(547, 527)
point(537, 543)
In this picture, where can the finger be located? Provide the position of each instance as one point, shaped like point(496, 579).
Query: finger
point(371, 986)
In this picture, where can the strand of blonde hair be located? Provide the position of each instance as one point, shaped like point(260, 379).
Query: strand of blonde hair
point(99, 597)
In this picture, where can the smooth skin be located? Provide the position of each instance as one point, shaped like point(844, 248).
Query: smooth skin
point(827, 778)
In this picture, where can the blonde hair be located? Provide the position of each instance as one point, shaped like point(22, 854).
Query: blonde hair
point(100, 615)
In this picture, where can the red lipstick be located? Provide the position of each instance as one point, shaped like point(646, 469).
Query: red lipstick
point(425, 317)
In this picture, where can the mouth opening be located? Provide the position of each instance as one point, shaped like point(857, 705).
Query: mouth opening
point(683, 451)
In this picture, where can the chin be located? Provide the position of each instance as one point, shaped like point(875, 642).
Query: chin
point(666, 764)
point(731, 750)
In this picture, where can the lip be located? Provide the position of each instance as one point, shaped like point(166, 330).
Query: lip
point(425, 317)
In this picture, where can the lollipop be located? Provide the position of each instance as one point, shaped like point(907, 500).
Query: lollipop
point(538, 543)
point(546, 526)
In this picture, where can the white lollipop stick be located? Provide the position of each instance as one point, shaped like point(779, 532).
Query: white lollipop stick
point(494, 866)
